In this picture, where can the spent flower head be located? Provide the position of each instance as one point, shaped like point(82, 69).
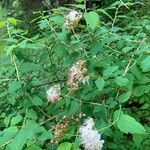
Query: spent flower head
point(77, 73)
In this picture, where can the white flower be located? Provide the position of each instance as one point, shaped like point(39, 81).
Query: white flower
point(72, 16)
point(53, 94)
point(72, 19)
point(90, 138)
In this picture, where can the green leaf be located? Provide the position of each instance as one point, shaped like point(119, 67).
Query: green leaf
point(121, 81)
point(100, 83)
point(145, 64)
point(15, 120)
point(7, 134)
point(2, 24)
point(33, 147)
point(104, 12)
point(9, 49)
point(37, 101)
point(29, 130)
point(7, 120)
point(12, 21)
point(45, 136)
point(110, 71)
point(92, 19)
point(127, 124)
point(60, 50)
point(64, 146)
point(124, 97)
point(32, 114)
point(28, 67)
point(73, 108)
point(14, 86)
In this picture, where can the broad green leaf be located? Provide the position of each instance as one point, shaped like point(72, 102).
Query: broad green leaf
point(7, 134)
point(37, 101)
point(12, 21)
point(23, 135)
point(14, 86)
point(57, 20)
point(33, 147)
point(141, 90)
point(124, 97)
point(7, 120)
point(28, 67)
point(110, 71)
point(32, 114)
point(73, 108)
point(100, 83)
point(127, 124)
point(45, 136)
point(96, 47)
point(64, 146)
point(60, 50)
point(15, 120)
point(121, 81)
point(145, 64)
point(22, 44)
point(92, 19)
point(136, 72)
point(2, 24)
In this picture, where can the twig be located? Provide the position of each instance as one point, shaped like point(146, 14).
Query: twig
point(114, 20)
point(81, 101)
point(17, 71)
point(49, 82)
point(45, 121)
point(127, 67)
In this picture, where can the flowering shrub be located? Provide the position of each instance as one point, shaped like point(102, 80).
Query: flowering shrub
point(78, 80)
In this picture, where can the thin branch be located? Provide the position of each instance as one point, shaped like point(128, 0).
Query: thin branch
point(49, 82)
point(47, 120)
point(16, 67)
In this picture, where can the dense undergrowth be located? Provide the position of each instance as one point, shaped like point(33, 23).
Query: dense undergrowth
point(62, 72)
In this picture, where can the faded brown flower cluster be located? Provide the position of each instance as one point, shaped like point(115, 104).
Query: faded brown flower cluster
point(77, 73)
point(72, 19)
point(58, 130)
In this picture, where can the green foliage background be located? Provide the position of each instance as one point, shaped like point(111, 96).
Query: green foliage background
point(114, 41)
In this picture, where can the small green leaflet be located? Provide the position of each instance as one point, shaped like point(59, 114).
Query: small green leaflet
point(110, 71)
point(15, 120)
point(124, 97)
point(121, 81)
point(92, 19)
point(45, 136)
point(7, 134)
point(145, 64)
point(64, 146)
point(37, 101)
point(128, 124)
point(100, 83)
point(28, 67)
point(14, 86)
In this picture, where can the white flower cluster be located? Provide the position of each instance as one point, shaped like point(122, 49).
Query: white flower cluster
point(72, 19)
point(53, 94)
point(77, 73)
point(90, 138)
